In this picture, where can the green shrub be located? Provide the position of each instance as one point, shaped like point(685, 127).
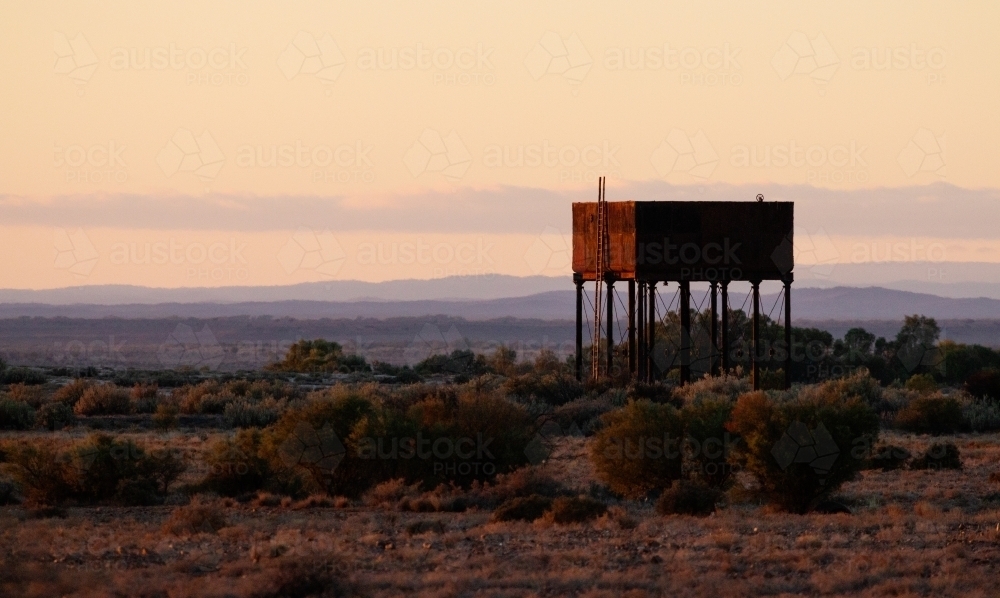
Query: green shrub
point(638, 450)
point(688, 498)
point(860, 385)
point(119, 470)
point(575, 509)
point(213, 403)
point(317, 439)
point(522, 508)
point(459, 361)
point(55, 416)
point(922, 383)
point(165, 417)
point(584, 413)
point(144, 397)
point(23, 375)
point(346, 439)
point(239, 465)
point(556, 388)
point(984, 384)
point(72, 392)
point(930, 414)
point(981, 415)
point(707, 443)
point(15, 415)
point(319, 356)
point(803, 448)
point(100, 468)
point(247, 414)
point(939, 456)
point(104, 399)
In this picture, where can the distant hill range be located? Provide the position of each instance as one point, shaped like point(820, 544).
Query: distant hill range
point(837, 303)
point(959, 280)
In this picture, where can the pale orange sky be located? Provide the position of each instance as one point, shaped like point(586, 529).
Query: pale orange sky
point(366, 127)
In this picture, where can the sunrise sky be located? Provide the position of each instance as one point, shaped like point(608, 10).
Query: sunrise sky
point(267, 143)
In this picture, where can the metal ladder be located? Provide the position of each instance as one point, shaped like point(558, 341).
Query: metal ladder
point(602, 231)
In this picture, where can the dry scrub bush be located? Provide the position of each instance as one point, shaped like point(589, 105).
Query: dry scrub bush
point(343, 441)
point(165, 417)
point(523, 508)
point(104, 399)
point(688, 498)
point(930, 414)
point(574, 509)
point(32, 395)
point(939, 456)
point(200, 517)
point(72, 392)
point(144, 397)
point(887, 457)
point(638, 451)
point(713, 388)
point(761, 421)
